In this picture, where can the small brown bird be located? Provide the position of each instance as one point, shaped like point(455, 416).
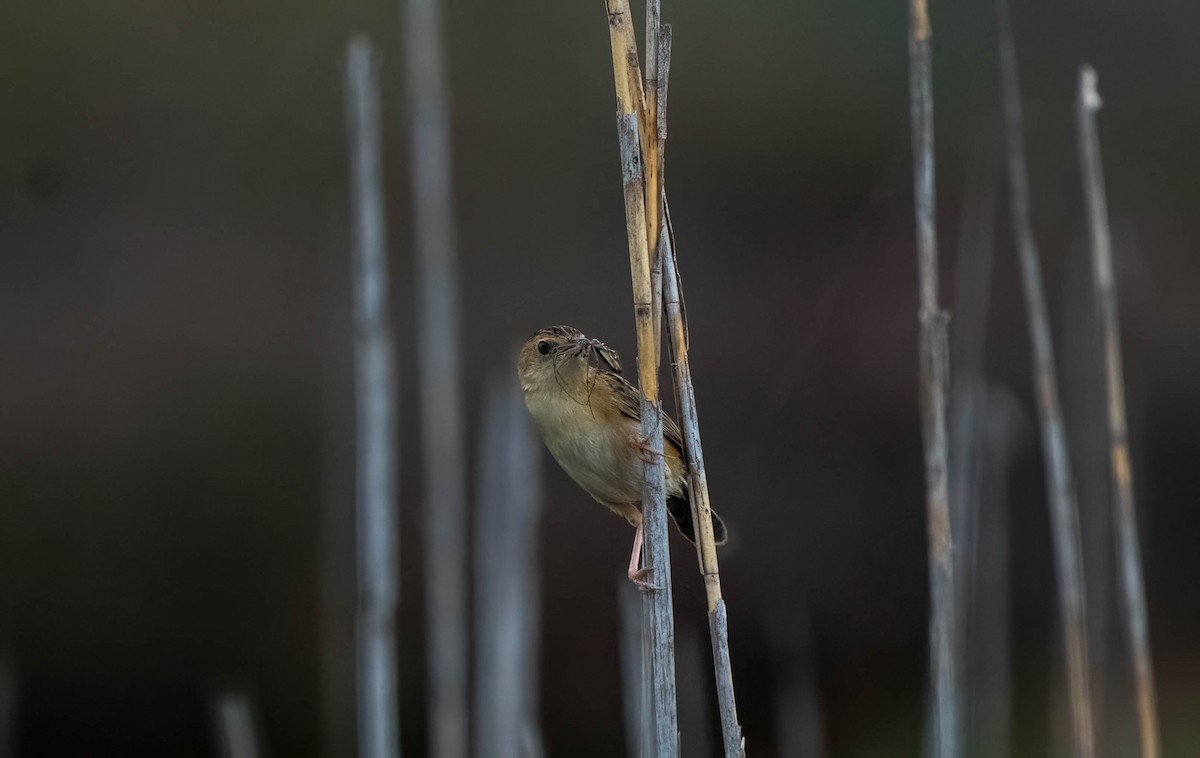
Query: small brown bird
point(589, 418)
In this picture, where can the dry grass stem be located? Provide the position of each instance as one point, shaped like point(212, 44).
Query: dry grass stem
point(376, 417)
point(685, 394)
point(706, 548)
point(934, 377)
point(1133, 591)
point(635, 671)
point(1064, 510)
point(635, 143)
point(439, 373)
point(653, 164)
point(658, 63)
point(642, 124)
point(506, 577)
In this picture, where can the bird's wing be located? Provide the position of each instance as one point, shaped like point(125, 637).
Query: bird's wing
point(629, 403)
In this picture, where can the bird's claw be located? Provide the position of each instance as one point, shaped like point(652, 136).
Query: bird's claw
point(641, 446)
point(638, 577)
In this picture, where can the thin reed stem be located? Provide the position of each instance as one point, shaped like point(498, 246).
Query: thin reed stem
point(378, 547)
point(439, 374)
point(1133, 589)
point(637, 140)
point(635, 671)
point(934, 378)
point(1060, 484)
point(706, 549)
point(506, 576)
point(733, 743)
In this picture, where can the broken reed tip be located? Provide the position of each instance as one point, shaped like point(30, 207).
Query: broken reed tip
point(1087, 85)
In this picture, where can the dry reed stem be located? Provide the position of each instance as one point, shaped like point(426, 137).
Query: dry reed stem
point(934, 377)
point(378, 704)
point(655, 93)
point(706, 549)
point(442, 428)
point(633, 139)
point(652, 160)
point(1060, 485)
point(635, 671)
point(507, 596)
point(1133, 591)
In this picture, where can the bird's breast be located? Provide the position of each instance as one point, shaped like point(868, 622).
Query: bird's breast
point(591, 441)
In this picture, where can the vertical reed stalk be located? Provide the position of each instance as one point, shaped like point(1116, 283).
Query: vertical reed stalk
point(706, 549)
point(934, 377)
point(658, 64)
point(378, 706)
point(733, 744)
point(1060, 484)
point(637, 140)
point(506, 577)
point(1133, 590)
point(442, 436)
point(635, 671)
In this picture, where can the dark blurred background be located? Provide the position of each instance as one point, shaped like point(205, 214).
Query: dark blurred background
point(176, 488)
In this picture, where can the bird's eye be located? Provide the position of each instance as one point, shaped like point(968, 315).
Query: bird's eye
point(543, 347)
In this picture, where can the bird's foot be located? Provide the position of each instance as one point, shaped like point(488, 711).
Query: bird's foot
point(641, 446)
point(638, 577)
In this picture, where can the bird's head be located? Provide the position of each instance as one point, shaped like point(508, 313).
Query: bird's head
point(551, 350)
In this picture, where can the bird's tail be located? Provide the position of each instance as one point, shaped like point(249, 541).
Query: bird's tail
point(680, 509)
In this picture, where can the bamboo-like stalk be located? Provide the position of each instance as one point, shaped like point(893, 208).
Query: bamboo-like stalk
point(666, 265)
point(1078, 351)
point(733, 744)
point(658, 61)
point(934, 377)
point(633, 136)
point(1060, 485)
point(653, 154)
point(635, 671)
point(706, 548)
point(439, 374)
point(1133, 590)
point(506, 577)
point(378, 704)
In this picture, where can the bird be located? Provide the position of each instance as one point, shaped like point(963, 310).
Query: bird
point(589, 417)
